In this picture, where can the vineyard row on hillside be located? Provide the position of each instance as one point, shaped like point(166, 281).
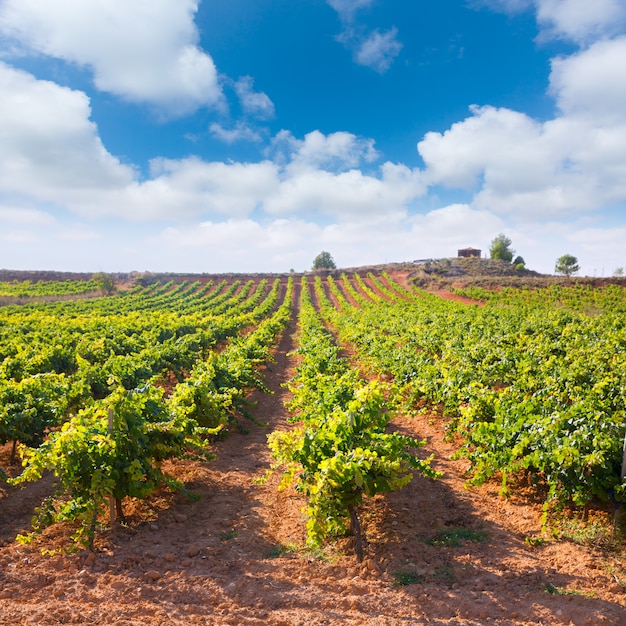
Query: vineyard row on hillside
point(102, 391)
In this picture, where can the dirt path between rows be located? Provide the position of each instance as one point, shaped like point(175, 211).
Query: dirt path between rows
point(438, 552)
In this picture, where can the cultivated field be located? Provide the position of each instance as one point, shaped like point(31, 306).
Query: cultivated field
point(219, 450)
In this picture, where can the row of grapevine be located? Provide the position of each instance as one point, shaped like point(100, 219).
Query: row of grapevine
point(216, 388)
point(340, 449)
point(113, 447)
point(532, 382)
point(27, 288)
point(533, 388)
point(579, 297)
point(56, 360)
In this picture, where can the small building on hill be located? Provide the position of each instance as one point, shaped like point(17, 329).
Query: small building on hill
point(469, 252)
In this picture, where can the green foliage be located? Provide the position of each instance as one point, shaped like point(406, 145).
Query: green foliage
point(567, 265)
point(106, 283)
point(216, 389)
point(27, 289)
point(228, 535)
point(275, 552)
point(455, 537)
point(30, 407)
point(95, 459)
point(345, 456)
point(66, 367)
point(519, 263)
point(501, 248)
point(404, 578)
point(323, 261)
point(341, 451)
point(533, 381)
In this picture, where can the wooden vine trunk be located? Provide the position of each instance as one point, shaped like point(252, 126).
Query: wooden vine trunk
point(359, 540)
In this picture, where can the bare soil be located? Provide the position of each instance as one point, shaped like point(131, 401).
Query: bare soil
point(439, 553)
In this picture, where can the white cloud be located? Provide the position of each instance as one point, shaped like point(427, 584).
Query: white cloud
point(573, 163)
point(240, 132)
point(347, 193)
point(370, 48)
point(144, 52)
point(77, 232)
point(254, 103)
point(180, 190)
point(599, 250)
point(282, 147)
point(461, 155)
point(581, 20)
point(212, 234)
point(321, 174)
point(378, 50)
point(335, 151)
point(241, 235)
point(32, 226)
point(528, 169)
point(247, 245)
point(320, 191)
point(20, 237)
point(458, 225)
point(250, 245)
point(599, 238)
point(592, 83)
point(241, 245)
point(50, 152)
point(24, 216)
point(398, 236)
point(49, 148)
point(347, 8)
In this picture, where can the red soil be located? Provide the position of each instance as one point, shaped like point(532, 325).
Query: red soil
point(237, 556)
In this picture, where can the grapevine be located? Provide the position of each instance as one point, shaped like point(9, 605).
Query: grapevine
point(340, 451)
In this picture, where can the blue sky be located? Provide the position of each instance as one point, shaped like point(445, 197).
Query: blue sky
point(247, 136)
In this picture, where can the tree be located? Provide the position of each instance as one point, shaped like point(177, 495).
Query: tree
point(105, 282)
point(324, 261)
point(566, 264)
point(501, 248)
point(519, 263)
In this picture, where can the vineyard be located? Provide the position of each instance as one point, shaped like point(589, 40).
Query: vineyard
point(326, 448)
